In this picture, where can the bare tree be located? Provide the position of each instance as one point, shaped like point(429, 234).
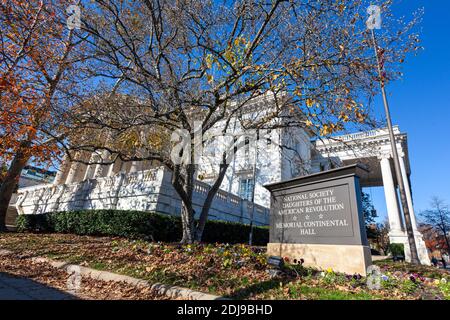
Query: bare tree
point(439, 218)
point(191, 66)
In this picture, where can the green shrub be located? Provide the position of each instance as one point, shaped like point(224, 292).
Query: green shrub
point(234, 233)
point(137, 225)
point(38, 222)
point(397, 249)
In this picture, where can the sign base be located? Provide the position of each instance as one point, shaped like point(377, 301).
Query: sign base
point(348, 259)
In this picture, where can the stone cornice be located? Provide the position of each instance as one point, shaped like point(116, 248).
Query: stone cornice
point(373, 138)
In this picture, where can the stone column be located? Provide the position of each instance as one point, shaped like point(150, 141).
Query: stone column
point(99, 168)
point(134, 166)
point(420, 243)
point(77, 169)
point(91, 167)
point(391, 196)
point(147, 165)
point(111, 168)
point(71, 176)
point(58, 198)
point(98, 172)
point(399, 209)
point(123, 166)
point(408, 192)
point(62, 171)
point(83, 168)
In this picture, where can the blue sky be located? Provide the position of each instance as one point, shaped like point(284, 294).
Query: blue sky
point(420, 106)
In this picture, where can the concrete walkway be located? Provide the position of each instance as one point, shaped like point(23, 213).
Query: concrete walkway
point(17, 288)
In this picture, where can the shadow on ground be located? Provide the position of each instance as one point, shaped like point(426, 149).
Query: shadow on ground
point(19, 288)
point(256, 288)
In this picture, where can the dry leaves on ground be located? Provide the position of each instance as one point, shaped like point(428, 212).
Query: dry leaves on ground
point(89, 289)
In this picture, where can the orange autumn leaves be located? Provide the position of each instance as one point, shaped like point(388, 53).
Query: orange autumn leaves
point(33, 42)
point(16, 109)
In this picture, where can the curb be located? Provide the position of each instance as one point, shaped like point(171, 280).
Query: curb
point(173, 292)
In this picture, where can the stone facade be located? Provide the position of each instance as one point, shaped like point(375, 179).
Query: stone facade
point(279, 154)
point(341, 258)
point(148, 190)
point(30, 176)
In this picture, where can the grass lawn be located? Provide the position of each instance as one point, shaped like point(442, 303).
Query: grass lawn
point(235, 271)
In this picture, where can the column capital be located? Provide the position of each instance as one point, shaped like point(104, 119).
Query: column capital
point(384, 155)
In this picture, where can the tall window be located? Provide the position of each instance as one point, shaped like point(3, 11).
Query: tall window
point(246, 156)
point(269, 135)
point(246, 188)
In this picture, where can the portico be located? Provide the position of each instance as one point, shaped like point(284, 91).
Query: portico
point(372, 148)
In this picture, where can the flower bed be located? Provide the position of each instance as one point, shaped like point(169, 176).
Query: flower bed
point(237, 271)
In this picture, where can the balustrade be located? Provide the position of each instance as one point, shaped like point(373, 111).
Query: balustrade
point(82, 194)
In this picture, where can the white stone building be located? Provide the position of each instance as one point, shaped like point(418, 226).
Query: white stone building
point(279, 154)
point(30, 176)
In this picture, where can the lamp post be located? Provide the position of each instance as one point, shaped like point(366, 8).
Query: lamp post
point(252, 214)
point(398, 174)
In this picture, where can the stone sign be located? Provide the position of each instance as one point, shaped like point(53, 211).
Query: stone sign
point(318, 218)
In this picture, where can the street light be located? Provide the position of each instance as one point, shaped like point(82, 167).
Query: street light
point(371, 25)
point(252, 214)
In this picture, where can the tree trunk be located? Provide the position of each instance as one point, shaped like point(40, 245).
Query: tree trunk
point(203, 217)
point(448, 243)
point(207, 204)
point(10, 182)
point(187, 220)
point(187, 210)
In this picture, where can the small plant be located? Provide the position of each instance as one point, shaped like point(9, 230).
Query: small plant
point(397, 249)
point(444, 286)
point(328, 276)
point(409, 286)
point(227, 262)
point(297, 270)
point(389, 283)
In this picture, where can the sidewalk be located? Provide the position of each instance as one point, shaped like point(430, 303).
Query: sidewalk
point(18, 288)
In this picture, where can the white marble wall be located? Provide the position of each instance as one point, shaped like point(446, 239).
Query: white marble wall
point(148, 190)
point(274, 162)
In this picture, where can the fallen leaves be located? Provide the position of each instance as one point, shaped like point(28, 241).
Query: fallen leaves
point(238, 271)
point(89, 289)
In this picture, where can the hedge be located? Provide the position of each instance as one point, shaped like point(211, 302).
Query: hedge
point(135, 225)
